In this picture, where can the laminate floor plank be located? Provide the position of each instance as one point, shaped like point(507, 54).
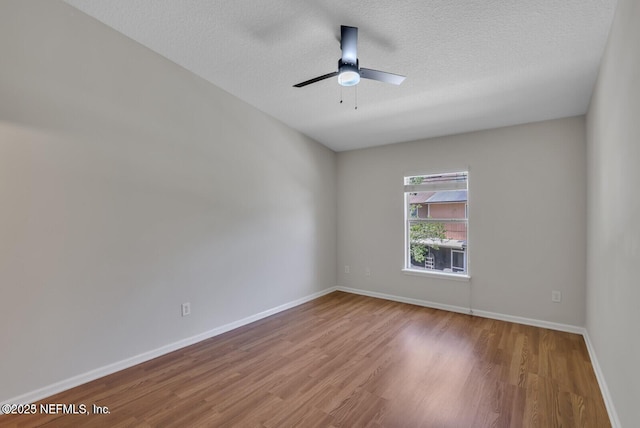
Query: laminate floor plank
point(345, 360)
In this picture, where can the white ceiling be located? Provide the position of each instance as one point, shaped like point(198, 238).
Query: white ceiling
point(470, 64)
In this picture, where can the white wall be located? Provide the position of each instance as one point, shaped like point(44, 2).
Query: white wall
point(128, 186)
point(613, 285)
point(527, 219)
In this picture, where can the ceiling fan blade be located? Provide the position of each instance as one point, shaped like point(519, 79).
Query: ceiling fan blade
point(349, 44)
point(315, 79)
point(381, 76)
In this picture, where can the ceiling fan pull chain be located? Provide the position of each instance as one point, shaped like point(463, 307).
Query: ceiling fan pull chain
point(340, 94)
point(356, 98)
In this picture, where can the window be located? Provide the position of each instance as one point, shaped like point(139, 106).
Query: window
point(457, 260)
point(436, 223)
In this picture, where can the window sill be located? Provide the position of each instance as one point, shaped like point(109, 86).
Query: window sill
point(435, 274)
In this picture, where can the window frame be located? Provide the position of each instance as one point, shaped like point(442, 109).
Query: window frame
point(414, 188)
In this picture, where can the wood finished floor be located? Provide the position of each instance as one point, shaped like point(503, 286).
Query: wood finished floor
point(348, 361)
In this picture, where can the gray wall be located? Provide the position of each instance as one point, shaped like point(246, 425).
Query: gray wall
point(613, 138)
point(128, 186)
point(527, 221)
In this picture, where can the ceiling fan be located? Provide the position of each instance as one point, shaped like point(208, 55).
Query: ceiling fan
point(349, 72)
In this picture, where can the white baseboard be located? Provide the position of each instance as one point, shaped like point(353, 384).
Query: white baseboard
point(568, 328)
point(604, 389)
point(49, 390)
point(463, 310)
point(411, 301)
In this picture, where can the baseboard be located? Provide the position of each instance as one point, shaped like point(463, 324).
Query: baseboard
point(464, 310)
point(417, 302)
point(568, 328)
point(604, 389)
point(49, 390)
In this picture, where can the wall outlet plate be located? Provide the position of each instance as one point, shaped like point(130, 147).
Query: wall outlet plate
point(556, 296)
point(186, 309)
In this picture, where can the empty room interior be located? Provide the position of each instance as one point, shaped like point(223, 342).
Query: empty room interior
point(386, 214)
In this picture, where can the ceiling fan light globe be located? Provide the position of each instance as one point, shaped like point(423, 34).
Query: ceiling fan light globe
point(349, 78)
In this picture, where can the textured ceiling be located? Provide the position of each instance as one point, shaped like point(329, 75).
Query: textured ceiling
point(470, 64)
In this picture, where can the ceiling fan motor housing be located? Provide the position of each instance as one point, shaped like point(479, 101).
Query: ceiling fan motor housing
point(348, 72)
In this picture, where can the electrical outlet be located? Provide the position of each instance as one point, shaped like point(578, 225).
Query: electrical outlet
point(186, 309)
point(347, 269)
point(367, 271)
point(556, 296)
